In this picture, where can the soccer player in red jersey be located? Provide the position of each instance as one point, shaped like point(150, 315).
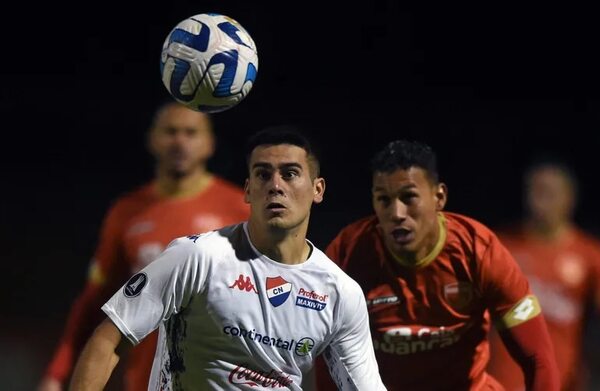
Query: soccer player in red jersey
point(562, 264)
point(434, 281)
point(183, 198)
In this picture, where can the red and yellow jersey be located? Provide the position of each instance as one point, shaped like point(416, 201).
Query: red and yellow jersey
point(565, 276)
point(429, 323)
point(135, 231)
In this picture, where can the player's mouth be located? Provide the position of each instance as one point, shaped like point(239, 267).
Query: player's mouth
point(403, 236)
point(275, 207)
point(177, 156)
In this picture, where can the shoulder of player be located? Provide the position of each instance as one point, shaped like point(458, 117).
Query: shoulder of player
point(130, 202)
point(467, 228)
point(212, 243)
point(343, 282)
point(587, 240)
point(358, 228)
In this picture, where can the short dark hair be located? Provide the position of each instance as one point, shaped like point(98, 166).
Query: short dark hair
point(173, 103)
point(284, 134)
point(404, 154)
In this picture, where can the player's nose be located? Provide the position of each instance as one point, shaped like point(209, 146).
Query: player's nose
point(398, 210)
point(276, 184)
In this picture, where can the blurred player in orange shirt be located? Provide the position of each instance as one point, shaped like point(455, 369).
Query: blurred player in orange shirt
point(183, 198)
point(434, 281)
point(562, 264)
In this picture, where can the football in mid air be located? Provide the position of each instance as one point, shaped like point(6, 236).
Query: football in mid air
point(209, 62)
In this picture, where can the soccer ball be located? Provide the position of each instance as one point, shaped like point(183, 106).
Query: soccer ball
point(209, 62)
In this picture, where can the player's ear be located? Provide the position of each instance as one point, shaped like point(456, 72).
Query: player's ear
point(246, 192)
point(441, 196)
point(319, 189)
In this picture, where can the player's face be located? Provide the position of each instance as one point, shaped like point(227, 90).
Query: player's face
point(181, 140)
point(406, 203)
point(550, 196)
point(280, 189)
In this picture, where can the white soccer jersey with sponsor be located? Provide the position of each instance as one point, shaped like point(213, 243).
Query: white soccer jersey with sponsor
point(230, 318)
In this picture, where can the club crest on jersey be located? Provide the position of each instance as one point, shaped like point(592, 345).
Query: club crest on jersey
point(278, 290)
point(134, 286)
point(458, 294)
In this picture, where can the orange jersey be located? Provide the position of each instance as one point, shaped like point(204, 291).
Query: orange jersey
point(135, 231)
point(565, 276)
point(429, 324)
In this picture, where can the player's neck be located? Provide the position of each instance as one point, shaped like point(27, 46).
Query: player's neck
point(284, 246)
point(429, 251)
point(547, 231)
point(189, 185)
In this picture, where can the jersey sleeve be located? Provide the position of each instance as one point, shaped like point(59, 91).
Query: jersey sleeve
point(517, 314)
point(160, 290)
point(106, 272)
point(503, 284)
point(350, 356)
point(108, 267)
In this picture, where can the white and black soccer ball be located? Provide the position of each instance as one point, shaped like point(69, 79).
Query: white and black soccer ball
point(209, 62)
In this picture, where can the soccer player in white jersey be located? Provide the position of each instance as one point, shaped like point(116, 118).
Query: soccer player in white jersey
point(249, 306)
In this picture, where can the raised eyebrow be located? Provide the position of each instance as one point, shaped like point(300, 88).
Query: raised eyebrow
point(410, 186)
point(290, 165)
point(262, 165)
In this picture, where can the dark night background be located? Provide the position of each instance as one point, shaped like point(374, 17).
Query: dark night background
point(488, 88)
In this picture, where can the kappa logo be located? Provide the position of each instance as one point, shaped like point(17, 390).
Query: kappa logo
point(243, 284)
point(278, 290)
point(134, 286)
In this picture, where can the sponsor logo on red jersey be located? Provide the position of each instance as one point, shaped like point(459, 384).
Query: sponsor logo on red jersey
point(404, 340)
point(383, 300)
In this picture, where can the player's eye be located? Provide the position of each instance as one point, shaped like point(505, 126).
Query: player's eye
point(408, 198)
point(382, 199)
point(289, 174)
point(191, 132)
point(169, 131)
point(263, 175)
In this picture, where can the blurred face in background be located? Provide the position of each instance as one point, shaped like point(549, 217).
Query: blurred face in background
point(550, 196)
point(181, 140)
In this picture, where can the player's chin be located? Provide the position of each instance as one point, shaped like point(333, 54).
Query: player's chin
point(179, 170)
point(281, 223)
point(403, 246)
point(277, 222)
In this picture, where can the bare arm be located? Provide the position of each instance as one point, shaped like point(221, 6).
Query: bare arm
point(98, 358)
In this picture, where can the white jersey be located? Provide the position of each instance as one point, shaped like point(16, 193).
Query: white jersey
point(231, 318)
